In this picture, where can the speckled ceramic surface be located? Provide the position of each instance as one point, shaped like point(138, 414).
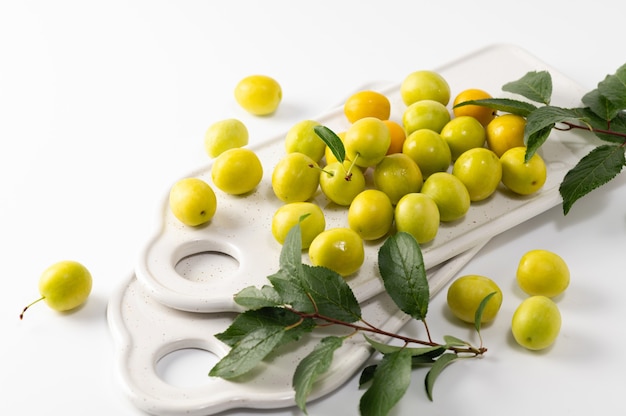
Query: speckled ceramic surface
point(145, 331)
point(241, 226)
point(163, 308)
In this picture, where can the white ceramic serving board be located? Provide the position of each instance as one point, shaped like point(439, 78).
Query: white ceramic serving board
point(145, 331)
point(241, 226)
point(181, 294)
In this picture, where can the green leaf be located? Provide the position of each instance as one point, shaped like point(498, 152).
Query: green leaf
point(246, 354)
point(255, 334)
point(254, 298)
point(600, 105)
point(617, 125)
point(312, 289)
point(331, 294)
point(478, 316)
point(367, 374)
point(288, 280)
point(536, 140)
point(249, 321)
point(548, 116)
point(312, 366)
point(291, 290)
point(419, 360)
point(290, 260)
point(536, 86)
point(436, 370)
point(404, 275)
point(541, 121)
point(332, 141)
point(613, 87)
point(242, 325)
point(387, 349)
point(595, 169)
point(507, 105)
point(391, 380)
point(454, 341)
point(427, 358)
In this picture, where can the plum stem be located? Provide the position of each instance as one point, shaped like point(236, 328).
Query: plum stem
point(29, 305)
point(349, 171)
point(571, 126)
point(468, 349)
point(312, 166)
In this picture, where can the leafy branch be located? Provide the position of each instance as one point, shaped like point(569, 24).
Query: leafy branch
point(302, 298)
point(603, 114)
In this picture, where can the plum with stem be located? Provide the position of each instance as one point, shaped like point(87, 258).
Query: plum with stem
point(64, 285)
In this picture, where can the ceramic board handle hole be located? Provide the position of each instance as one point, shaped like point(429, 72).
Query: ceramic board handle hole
point(207, 266)
point(186, 367)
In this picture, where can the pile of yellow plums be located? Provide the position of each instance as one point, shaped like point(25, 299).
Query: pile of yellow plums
point(408, 174)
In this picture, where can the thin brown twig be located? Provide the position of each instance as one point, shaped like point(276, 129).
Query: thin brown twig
point(407, 340)
point(572, 126)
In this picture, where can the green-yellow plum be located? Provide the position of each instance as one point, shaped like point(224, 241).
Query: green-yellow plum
point(366, 141)
point(258, 94)
point(418, 215)
point(341, 182)
point(340, 249)
point(480, 171)
point(425, 114)
point(467, 292)
point(295, 178)
point(449, 193)
point(521, 177)
point(225, 134)
point(536, 323)
point(429, 150)
point(371, 214)
point(424, 85)
point(237, 171)
point(397, 175)
point(302, 138)
point(288, 215)
point(542, 272)
point(463, 133)
point(64, 286)
point(192, 201)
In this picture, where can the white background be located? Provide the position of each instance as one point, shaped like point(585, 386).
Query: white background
point(104, 104)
